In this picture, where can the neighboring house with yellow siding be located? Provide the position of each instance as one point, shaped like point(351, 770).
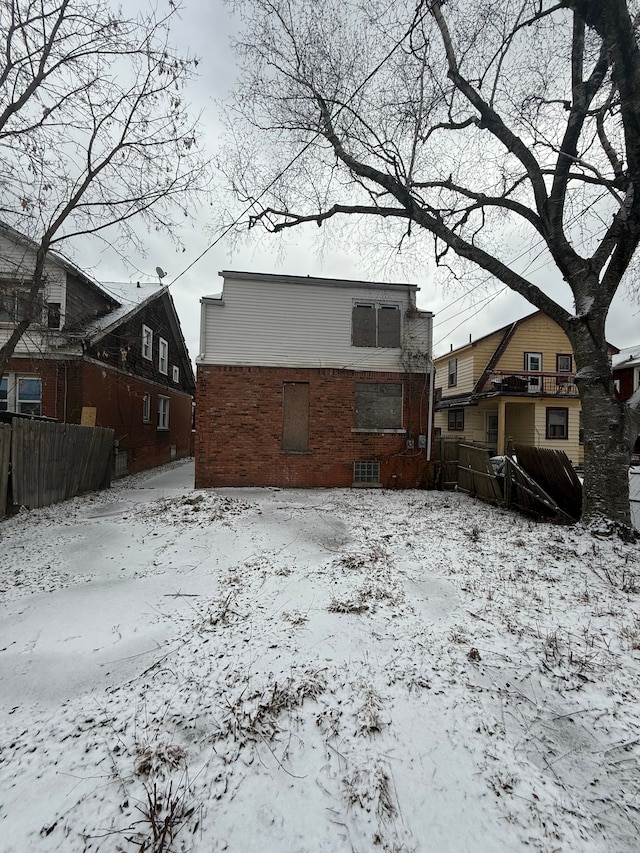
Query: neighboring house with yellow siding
point(516, 384)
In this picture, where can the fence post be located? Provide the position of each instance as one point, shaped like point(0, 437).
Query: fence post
point(5, 450)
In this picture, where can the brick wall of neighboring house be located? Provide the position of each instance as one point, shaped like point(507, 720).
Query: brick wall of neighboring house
point(239, 429)
point(625, 378)
point(69, 385)
point(118, 399)
point(48, 373)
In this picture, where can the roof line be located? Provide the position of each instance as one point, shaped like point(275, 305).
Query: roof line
point(238, 275)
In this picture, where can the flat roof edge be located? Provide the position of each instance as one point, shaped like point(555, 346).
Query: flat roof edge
point(237, 275)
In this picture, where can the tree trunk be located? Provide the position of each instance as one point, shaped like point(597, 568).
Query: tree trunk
point(607, 439)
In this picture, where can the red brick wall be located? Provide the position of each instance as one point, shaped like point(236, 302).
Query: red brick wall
point(118, 401)
point(239, 429)
point(67, 386)
point(625, 378)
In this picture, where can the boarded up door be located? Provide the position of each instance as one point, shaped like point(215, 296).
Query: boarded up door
point(295, 417)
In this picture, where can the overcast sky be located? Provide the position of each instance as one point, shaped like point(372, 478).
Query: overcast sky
point(205, 30)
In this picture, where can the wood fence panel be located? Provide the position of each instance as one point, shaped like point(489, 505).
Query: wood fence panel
point(53, 462)
point(476, 475)
point(5, 452)
point(552, 469)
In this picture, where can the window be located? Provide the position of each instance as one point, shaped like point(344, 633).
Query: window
point(146, 408)
point(376, 324)
point(437, 397)
point(366, 473)
point(453, 372)
point(147, 343)
point(557, 423)
point(176, 373)
point(29, 396)
point(581, 431)
point(295, 417)
point(564, 363)
point(163, 412)
point(533, 364)
point(53, 315)
point(378, 405)
point(14, 301)
point(163, 356)
point(456, 420)
point(4, 394)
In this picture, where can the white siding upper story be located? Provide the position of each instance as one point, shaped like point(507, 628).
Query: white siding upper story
point(17, 262)
point(297, 321)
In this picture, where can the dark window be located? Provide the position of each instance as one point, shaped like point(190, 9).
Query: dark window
point(378, 405)
point(53, 315)
point(29, 396)
point(4, 393)
point(437, 395)
point(376, 325)
point(564, 363)
point(295, 417)
point(14, 301)
point(453, 372)
point(557, 423)
point(456, 420)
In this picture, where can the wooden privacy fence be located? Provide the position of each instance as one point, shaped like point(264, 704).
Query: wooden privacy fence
point(5, 451)
point(537, 481)
point(52, 462)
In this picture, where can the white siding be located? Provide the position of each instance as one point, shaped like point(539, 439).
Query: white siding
point(17, 261)
point(277, 324)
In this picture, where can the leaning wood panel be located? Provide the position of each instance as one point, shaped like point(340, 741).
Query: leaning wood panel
point(553, 471)
point(5, 453)
point(54, 462)
point(476, 475)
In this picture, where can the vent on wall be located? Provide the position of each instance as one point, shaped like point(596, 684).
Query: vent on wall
point(366, 473)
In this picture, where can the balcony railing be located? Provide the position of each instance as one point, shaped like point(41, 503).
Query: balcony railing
point(531, 382)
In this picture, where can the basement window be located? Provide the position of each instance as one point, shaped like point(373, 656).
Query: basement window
point(366, 473)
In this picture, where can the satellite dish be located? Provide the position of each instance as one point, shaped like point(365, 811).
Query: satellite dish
point(161, 273)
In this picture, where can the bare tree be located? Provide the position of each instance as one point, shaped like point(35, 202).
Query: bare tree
point(95, 132)
point(470, 119)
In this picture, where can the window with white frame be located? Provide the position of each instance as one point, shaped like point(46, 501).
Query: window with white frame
point(163, 412)
point(163, 356)
point(146, 408)
point(21, 394)
point(147, 343)
point(176, 373)
point(29, 395)
point(453, 373)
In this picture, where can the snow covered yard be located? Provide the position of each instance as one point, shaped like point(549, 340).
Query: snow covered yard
point(317, 671)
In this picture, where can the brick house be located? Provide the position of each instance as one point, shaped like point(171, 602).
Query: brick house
point(110, 355)
point(626, 372)
point(514, 384)
point(312, 382)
